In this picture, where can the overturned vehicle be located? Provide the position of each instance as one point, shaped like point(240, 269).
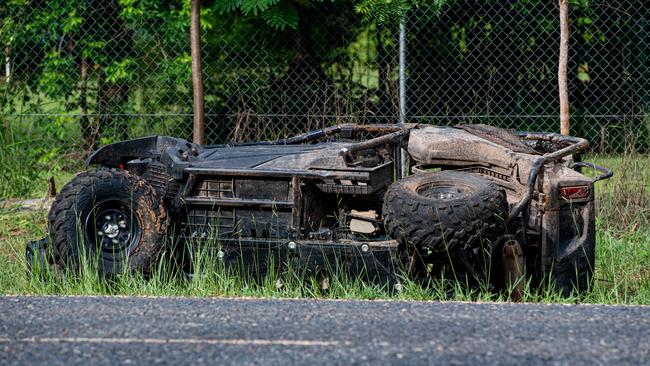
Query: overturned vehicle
point(478, 202)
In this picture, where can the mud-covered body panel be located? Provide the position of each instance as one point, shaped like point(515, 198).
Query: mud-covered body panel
point(458, 149)
point(559, 232)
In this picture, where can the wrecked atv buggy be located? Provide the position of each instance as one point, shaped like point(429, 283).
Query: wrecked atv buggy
point(479, 201)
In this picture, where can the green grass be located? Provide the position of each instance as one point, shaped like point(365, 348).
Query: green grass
point(32, 151)
point(623, 201)
point(622, 276)
point(622, 261)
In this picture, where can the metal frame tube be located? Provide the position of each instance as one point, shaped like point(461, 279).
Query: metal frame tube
point(576, 145)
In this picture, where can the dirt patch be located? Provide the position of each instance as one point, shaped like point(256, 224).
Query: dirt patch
point(31, 204)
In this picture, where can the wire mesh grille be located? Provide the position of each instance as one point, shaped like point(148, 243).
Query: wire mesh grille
point(79, 74)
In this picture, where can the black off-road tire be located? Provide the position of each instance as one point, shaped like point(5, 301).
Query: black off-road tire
point(75, 219)
point(418, 217)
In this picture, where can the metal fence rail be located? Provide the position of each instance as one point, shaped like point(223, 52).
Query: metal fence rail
point(80, 74)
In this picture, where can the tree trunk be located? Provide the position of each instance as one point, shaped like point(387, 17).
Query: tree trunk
point(562, 67)
point(382, 68)
point(101, 106)
point(7, 64)
point(197, 73)
point(88, 130)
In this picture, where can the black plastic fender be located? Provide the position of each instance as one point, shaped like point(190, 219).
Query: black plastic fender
point(119, 153)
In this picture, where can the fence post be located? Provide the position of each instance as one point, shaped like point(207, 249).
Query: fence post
point(403, 166)
point(198, 131)
point(562, 67)
point(402, 71)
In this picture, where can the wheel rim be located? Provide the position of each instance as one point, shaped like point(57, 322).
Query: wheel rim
point(444, 192)
point(112, 227)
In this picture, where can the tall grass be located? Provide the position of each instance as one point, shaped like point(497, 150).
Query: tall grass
point(622, 258)
point(623, 202)
point(622, 276)
point(31, 153)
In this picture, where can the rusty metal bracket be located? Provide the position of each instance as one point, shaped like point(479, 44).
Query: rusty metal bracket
point(512, 259)
point(607, 173)
point(575, 145)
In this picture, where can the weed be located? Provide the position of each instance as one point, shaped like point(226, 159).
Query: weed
point(622, 258)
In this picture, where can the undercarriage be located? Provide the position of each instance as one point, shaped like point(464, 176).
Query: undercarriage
point(482, 202)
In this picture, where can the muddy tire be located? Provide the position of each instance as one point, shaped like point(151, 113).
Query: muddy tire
point(111, 217)
point(447, 211)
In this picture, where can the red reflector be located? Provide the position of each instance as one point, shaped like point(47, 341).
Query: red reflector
point(574, 192)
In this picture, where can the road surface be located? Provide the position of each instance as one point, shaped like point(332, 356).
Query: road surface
point(127, 330)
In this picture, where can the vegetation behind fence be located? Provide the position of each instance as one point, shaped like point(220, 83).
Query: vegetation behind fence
point(78, 74)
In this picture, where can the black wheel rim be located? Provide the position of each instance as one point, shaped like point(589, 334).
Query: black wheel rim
point(444, 192)
point(113, 228)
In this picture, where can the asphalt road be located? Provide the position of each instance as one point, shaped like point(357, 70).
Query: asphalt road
point(121, 330)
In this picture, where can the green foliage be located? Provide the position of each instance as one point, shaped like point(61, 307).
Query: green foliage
point(138, 50)
point(278, 14)
point(56, 78)
point(393, 11)
point(30, 153)
point(282, 15)
point(255, 6)
point(50, 38)
point(120, 71)
point(383, 11)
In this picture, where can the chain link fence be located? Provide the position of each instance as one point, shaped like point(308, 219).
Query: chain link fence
point(495, 62)
point(79, 74)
